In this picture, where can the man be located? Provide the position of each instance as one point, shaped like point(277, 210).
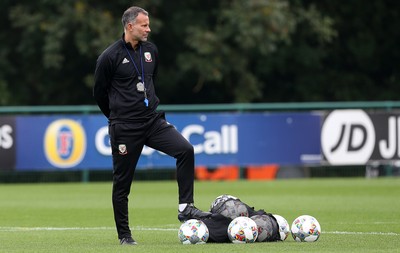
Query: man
point(124, 91)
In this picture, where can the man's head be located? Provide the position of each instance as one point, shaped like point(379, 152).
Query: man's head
point(136, 23)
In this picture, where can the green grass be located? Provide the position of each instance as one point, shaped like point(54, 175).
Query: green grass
point(356, 215)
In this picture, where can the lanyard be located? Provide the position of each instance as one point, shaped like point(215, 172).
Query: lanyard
point(140, 77)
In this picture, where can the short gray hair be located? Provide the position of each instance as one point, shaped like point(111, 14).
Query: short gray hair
point(131, 13)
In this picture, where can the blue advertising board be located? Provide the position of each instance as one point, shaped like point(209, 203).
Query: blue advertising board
point(82, 142)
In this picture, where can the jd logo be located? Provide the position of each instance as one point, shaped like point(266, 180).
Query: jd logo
point(347, 137)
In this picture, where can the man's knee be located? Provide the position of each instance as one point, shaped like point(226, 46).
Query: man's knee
point(185, 150)
point(189, 148)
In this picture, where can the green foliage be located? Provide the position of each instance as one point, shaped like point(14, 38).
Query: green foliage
point(57, 46)
point(244, 32)
point(211, 51)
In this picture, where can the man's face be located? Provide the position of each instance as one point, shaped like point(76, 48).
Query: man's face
point(140, 29)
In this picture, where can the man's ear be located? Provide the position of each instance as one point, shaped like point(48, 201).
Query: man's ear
point(129, 27)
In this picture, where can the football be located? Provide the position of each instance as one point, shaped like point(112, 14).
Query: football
point(234, 208)
point(284, 228)
point(221, 199)
point(193, 232)
point(264, 226)
point(242, 230)
point(229, 206)
point(306, 228)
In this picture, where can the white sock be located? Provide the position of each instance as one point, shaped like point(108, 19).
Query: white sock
point(182, 207)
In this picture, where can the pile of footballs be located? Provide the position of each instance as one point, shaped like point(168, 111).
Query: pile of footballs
point(242, 229)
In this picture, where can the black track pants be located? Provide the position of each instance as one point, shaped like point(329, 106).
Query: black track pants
point(127, 141)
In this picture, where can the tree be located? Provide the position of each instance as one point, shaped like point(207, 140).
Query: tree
point(225, 56)
point(364, 61)
point(360, 63)
point(211, 51)
point(52, 47)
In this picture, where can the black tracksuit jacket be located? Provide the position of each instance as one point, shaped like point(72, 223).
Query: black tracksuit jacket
point(115, 82)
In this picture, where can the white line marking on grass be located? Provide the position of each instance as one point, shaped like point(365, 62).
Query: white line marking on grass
point(27, 229)
point(368, 223)
point(155, 229)
point(140, 228)
point(22, 229)
point(360, 233)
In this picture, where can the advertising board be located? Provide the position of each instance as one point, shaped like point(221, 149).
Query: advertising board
point(82, 141)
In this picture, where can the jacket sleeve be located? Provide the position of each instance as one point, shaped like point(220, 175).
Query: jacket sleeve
point(102, 82)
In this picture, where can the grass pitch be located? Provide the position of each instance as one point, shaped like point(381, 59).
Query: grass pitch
point(356, 215)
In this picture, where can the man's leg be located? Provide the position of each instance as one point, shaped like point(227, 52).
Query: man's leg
point(125, 152)
point(165, 138)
